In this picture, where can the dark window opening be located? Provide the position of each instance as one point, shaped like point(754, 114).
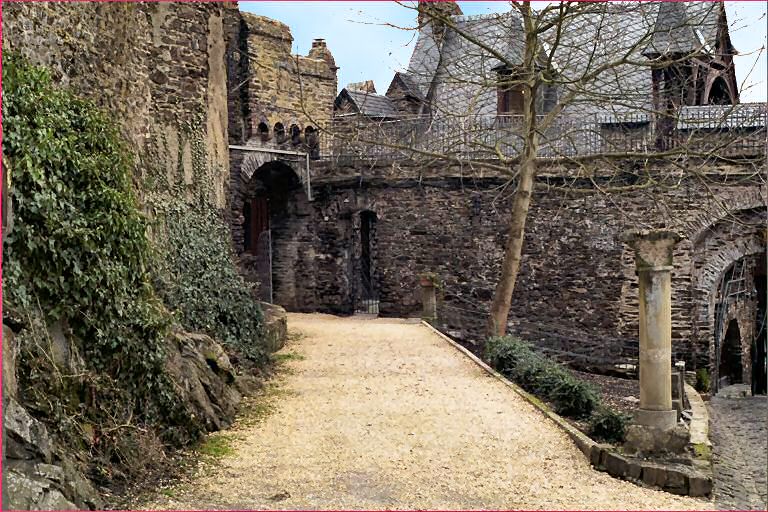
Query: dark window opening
point(295, 135)
point(280, 133)
point(310, 136)
point(263, 131)
point(719, 94)
point(511, 100)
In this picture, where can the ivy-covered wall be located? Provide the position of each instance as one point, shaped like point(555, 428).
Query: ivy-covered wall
point(120, 288)
point(159, 68)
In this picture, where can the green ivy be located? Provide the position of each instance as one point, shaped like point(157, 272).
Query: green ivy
point(79, 251)
point(200, 283)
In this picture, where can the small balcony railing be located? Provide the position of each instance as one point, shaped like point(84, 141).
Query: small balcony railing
point(733, 130)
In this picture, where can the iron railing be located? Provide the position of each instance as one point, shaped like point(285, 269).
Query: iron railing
point(720, 130)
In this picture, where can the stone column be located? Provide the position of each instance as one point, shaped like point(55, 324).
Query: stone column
point(428, 299)
point(653, 258)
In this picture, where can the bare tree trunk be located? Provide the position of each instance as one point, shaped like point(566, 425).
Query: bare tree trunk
point(521, 201)
point(510, 267)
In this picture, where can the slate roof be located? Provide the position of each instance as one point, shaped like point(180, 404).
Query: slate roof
point(456, 73)
point(370, 104)
point(409, 82)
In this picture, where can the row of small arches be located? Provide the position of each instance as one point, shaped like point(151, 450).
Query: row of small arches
point(294, 134)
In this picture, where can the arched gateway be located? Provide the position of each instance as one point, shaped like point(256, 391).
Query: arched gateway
point(261, 190)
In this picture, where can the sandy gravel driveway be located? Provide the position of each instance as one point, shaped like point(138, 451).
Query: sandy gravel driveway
point(384, 414)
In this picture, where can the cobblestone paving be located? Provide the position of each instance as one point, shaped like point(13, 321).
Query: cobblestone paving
point(739, 436)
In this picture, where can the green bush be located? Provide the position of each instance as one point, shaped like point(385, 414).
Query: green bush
point(702, 380)
point(541, 376)
point(608, 425)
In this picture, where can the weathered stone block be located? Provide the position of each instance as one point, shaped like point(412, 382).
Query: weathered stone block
point(676, 482)
point(634, 470)
point(595, 454)
point(615, 464)
point(654, 474)
point(699, 485)
point(654, 441)
point(275, 326)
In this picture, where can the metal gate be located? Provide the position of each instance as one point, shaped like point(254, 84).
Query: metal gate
point(367, 300)
point(263, 265)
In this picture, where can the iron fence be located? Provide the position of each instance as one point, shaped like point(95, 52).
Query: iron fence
point(720, 130)
point(465, 319)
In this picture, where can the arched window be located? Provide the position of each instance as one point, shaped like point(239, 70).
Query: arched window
point(295, 135)
point(719, 93)
point(263, 131)
point(280, 133)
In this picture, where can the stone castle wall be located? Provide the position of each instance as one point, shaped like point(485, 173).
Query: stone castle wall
point(577, 289)
point(159, 68)
point(274, 86)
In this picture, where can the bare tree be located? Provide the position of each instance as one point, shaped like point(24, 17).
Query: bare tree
point(573, 82)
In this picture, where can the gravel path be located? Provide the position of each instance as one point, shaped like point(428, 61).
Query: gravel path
point(383, 414)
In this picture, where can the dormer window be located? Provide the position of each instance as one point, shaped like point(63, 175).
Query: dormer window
point(510, 93)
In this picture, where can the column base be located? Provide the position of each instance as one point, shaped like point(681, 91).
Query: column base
point(651, 441)
point(663, 420)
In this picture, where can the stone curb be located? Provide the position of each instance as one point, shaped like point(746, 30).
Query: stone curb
point(603, 457)
point(699, 417)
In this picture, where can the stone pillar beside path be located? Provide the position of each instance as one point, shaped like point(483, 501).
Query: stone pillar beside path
point(653, 258)
point(428, 299)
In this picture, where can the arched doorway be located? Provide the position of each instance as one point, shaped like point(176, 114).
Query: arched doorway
point(730, 370)
point(264, 214)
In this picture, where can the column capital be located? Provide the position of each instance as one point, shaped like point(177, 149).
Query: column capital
point(653, 248)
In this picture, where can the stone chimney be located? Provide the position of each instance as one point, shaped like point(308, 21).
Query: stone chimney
point(320, 51)
point(436, 8)
point(366, 86)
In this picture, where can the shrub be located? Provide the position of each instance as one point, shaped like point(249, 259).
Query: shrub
point(536, 374)
point(504, 352)
point(573, 397)
point(702, 380)
point(608, 425)
point(78, 256)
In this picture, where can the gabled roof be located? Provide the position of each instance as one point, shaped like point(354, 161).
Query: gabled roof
point(673, 32)
point(408, 83)
point(368, 104)
point(457, 75)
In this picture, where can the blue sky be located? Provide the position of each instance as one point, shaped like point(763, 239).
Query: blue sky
point(365, 48)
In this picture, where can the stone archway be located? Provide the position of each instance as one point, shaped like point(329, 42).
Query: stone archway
point(725, 256)
point(260, 220)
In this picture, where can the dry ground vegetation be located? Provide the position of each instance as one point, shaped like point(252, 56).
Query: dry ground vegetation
point(384, 414)
point(181, 469)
